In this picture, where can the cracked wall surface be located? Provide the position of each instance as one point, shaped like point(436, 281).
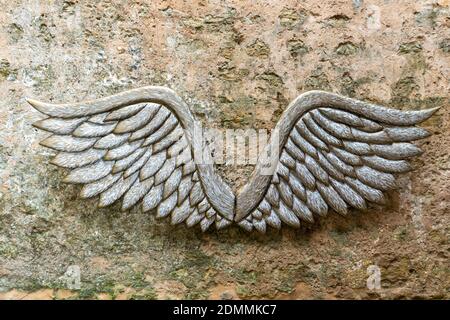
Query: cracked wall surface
point(237, 64)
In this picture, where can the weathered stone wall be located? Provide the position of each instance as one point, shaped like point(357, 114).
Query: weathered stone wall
point(237, 64)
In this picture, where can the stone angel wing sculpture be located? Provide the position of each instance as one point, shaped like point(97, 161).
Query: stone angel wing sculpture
point(334, 153)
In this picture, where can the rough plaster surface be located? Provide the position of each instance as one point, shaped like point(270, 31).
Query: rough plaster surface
point(237, 64)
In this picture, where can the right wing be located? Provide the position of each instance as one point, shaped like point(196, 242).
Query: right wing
point(137, 146)
point(335, 153)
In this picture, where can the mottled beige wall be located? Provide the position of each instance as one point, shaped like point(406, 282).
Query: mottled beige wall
point(237, 64)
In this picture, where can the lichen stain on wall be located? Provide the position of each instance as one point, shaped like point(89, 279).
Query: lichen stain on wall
point(237, 64)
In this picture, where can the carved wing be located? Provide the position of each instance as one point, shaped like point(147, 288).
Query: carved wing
point(137, 146)
point(334, 153)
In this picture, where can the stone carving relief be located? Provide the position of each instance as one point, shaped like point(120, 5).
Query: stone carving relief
point(137, 146)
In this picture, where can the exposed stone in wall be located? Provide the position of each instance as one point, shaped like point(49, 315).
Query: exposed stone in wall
point(237, 64)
